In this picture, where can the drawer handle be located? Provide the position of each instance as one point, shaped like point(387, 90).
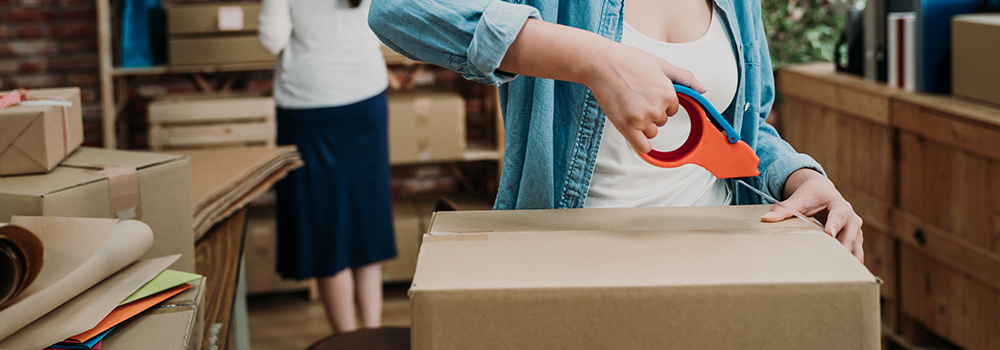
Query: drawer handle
point(919, 236)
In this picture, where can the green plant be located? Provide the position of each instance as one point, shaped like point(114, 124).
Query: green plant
point(804, 30)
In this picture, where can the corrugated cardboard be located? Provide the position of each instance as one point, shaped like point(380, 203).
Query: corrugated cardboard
point(426, 126)
point(74, 189)
point(205, 18)
point(639, 278)
point(33, 138)
point(409, 230)
point(261, 254)
point(176, 324)
point(975, 57)
point(236, 49)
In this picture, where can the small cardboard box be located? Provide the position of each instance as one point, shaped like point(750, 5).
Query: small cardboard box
point(426, 126)
point(638, 278)
point(215, 33)
point(212, 18)
point(975, 56)
point(34, 138)
point(176, 324)
point(237, 49)
point(79, 187)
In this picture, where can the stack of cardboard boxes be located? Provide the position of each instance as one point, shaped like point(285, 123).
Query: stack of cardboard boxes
point(43, 172)
point(215, 34)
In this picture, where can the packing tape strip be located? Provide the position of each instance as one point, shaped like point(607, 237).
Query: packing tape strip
point(123, 189)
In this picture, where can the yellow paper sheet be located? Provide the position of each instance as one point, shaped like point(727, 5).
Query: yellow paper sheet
point(165, 280)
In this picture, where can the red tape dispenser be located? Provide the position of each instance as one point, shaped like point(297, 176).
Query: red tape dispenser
point(724, 155)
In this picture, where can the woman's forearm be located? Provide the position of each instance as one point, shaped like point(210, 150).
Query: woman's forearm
point(552, 51)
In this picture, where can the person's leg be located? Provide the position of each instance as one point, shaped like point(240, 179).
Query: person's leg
point(337, 292)
point(368, 281)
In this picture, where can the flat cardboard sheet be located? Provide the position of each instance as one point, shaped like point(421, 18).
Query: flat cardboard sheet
point(33, 138)
point(227, 179)
point(88, 250)
point(86, 310)
point(638, 278)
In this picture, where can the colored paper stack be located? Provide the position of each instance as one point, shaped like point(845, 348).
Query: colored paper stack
point(80, 270)
point(166, 285)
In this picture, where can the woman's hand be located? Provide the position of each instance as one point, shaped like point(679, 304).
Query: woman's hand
point(635, 90)
point(812, 194)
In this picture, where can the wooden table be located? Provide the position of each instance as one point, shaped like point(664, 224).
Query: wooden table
point(217, 257)
point(224, 181)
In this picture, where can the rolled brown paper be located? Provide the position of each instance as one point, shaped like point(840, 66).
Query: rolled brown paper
point(21, 259)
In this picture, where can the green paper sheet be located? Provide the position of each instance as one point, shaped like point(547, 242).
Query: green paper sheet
point(165, 280)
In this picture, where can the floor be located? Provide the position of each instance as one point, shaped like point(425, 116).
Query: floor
point(291, 321)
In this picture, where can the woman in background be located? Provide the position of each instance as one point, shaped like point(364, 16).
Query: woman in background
point(335, 213)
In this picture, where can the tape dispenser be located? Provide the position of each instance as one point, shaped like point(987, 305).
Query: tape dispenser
point(720, 152)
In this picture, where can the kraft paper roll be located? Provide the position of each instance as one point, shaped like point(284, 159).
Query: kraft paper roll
point(80, 252)
point(21, 259)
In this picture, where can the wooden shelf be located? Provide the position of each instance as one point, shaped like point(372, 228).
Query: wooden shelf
point(478, 152)
point(158, 70)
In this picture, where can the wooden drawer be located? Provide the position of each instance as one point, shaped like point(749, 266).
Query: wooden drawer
point(949, 302)
point(949, 169)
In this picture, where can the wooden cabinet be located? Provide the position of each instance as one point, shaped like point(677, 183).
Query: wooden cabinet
point(844, 123)
point(923, 171)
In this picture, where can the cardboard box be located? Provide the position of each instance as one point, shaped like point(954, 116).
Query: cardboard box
point(975, 53)
point(261, 254)
point(175, 324)
point(34, 139)
point(638, 278)
point(212, 18)
point(426, 126)
point(237, 49)
point(76, 188)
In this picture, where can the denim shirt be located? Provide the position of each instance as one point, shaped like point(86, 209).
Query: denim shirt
point(553, 128)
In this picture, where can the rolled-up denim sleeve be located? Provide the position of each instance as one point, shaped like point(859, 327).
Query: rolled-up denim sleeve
point(778, 160)
point(468, 36)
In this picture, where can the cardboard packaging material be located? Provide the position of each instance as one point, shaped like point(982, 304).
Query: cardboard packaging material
point(212, 18)
point(239, 49)
point(157, 193)
point(407, 224)
point(975, 53)
point(215, 33)
point(80, 253)
point(426, 126)
point(638, 278)
point(175, 324)
point(34, 138)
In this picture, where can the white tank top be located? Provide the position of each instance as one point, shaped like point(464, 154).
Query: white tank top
point(621, 178)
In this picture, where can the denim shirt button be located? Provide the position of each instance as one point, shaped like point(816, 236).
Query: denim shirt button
point(746, 107)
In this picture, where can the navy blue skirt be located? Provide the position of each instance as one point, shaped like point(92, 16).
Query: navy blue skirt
point(336, 211)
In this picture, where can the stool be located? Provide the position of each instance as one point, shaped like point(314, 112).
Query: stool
point(386, 338)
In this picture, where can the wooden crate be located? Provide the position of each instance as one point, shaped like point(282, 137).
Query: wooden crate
point(948, 217)
point(211, 122)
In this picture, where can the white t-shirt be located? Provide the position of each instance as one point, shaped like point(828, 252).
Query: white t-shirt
point(623, 179)
point(327, 55)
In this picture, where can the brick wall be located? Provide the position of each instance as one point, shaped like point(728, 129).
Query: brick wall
point(52, 43)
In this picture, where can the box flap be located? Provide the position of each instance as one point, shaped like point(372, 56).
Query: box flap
point(586, 259)
point(742, 217)
point(96, 158)
point(60, 179)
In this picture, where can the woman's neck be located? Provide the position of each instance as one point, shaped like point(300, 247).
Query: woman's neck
point(672, 21)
